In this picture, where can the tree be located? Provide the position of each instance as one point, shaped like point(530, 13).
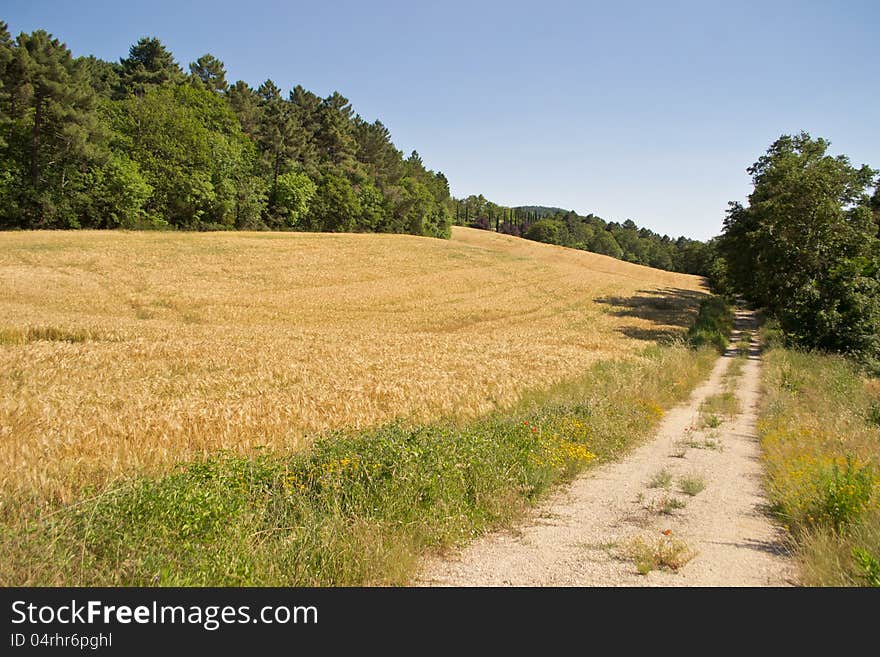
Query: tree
point(245, 104)
point(279, 137)
point(806, 248)
point(335, 139)
point(118, 194)
point(335, 207)
point(603, 242)
point(372, 204)
point(382, 161)
point(307, 110)
point(7, 54)
point(87, 142)
point(693, 257)
point(656, 253)
point(295, 191)
point(627, 237)
point(209, 72)
point(55, 134)
point(7, 164)
point(415, 208)
point(189, 145)
point(875, 205)
point(544, 230)
point(103, 76)
point(149, 64)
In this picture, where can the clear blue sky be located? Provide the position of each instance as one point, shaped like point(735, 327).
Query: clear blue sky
point(642, 110)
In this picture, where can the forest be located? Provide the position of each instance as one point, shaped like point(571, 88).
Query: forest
point(139, 143)
point(142, 144)
point(624, 241)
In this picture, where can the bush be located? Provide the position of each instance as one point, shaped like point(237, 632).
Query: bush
point(846, 494)
point(713, 324)
point(544, 230)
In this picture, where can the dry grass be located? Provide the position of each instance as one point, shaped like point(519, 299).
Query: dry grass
point(664, 553)
point(820, 434)
point(125, 352)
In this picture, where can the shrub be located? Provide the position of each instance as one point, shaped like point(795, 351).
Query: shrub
point(713, 324)
point(846, 493)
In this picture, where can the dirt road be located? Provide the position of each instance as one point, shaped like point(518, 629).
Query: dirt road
point(695, 490)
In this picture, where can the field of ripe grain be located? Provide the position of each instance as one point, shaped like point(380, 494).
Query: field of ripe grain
point(126, 352)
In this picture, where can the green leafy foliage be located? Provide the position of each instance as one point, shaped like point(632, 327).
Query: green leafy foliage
point(54, 133)
point(148, 65)
point(118, 195)
point(189, 145)
point(293, 195)
point(846, 492)
point(869, 564)
point(806, 247)
point(138, 144)
point(713, 324)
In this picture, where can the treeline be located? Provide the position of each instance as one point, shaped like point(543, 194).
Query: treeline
point(140, 143)
point(86, 143)
point(625, 241)
point(806, 247)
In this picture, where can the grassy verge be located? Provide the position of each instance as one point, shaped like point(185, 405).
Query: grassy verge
point(820, 430)
point(713, 324)
point(355, 508)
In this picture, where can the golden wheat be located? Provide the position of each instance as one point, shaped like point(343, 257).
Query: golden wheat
point(121, 352)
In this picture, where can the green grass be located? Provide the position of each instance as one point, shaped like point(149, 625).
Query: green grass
point(710, 442)
point(661, 480)
point(722, 403)
point(711, 421)
point(691, 484)
point(713, 324)
point(733, 372)
point(356, 508)
point(822, 452)
point(668, 504)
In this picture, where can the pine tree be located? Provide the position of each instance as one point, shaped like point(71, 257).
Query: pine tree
point(103, 76)
point(209, 72)
point(279, 136)
point(149, 64)
point(335, 140)
point(245, 104)
point(376, 151)
point(55, 131)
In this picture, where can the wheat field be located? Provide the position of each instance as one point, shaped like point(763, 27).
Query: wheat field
point(125, 352)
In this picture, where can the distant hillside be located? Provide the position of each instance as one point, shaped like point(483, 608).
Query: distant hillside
point(540, 210)
point(552, 225)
